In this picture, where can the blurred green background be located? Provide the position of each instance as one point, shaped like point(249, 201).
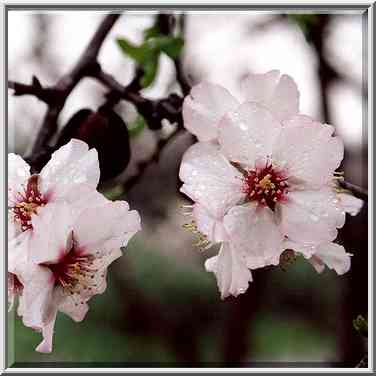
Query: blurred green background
point(157, 311)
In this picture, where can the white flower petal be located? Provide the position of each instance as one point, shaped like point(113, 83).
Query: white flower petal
point(210, 179)
point(208, 225)
point(18, 249)
point(18, 174)
point(260, 87)
point(76, 312)
point(37, 295)
point(350, 204)
point(311, 217)
point(309, 152)
point(254, 234)
point(70, 166)
point(203, 109)
point(284, 102)
point(52, 233)
point(334, 256)
point(279, 94)
point(106, 227)
point(248, 133)
point(14, 228)
point(48, 331)
point(86, 197)
point(232, 274)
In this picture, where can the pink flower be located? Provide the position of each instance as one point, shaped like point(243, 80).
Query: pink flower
point(63, 235)
point(208, 103)
point(70, 176)
point(70, 255)
point(266, 180)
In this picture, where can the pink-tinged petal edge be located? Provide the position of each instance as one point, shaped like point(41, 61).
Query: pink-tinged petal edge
point(204, 107)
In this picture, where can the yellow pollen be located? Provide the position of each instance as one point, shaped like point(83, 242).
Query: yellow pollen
point(265, 182)
point(28, 207)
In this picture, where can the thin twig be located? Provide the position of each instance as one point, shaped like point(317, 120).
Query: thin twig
point(166, 24)
point(154, 111)
point(357, 191)
point(56, 95)
point(47, 95)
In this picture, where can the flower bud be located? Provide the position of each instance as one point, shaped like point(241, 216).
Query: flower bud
point(105, 131)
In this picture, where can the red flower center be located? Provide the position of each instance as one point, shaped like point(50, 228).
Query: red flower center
point(267, 185)
point(28, 203)
point(76, 271)
point(14, 284)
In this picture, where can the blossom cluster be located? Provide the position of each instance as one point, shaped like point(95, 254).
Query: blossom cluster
point(263, 180)
point(62, 236)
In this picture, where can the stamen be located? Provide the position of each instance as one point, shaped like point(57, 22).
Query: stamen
point(28, 203)
point(267, 185)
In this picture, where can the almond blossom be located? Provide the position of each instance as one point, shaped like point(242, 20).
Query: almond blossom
point(71, 175)
point(208, 102)
point(264, 181)
point(70, 256)
point(62, 236)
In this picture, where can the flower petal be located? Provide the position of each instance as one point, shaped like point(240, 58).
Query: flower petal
point(311, 217)
point(70, 166)
point(308, 152)
point(86, 197)
point(260, 87)
point(279, 94)
point(52, 233)
point(76, 312)
point(350, 204)
point(284, 102)
point(37, 295)
point(106, 227)
point(18, 249)
point(248, 133)
point(48, 331)
point(208, 225)
point(18, 174)
point(210, 179)
point(203, 109)
point(334, 256)
point(232, 274)
point(14, 227)
point(254, 234)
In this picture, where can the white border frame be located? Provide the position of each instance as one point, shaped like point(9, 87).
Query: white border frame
point(371, 10)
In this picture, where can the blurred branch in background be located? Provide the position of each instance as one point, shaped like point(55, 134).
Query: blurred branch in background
point(154, 112)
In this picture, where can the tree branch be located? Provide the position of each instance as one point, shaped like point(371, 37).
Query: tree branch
point(357, 191)
point(47, 95)
point(56, 96)
point(154, 111)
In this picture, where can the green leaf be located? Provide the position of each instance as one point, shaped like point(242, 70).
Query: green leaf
point(137, 53)
point(151, 32)
point(150, 68)
point(147, 54)
point(171, 46)
point(137, 126)
point(361, 325)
